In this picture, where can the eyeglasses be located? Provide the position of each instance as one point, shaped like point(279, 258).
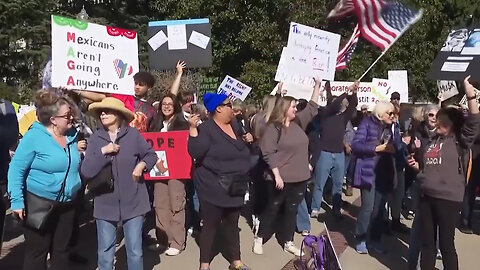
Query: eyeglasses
point(167, 104)
point(226, 104)
point(431, 115)
point(66, 116)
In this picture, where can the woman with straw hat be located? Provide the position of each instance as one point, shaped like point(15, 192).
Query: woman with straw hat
point(122, 147)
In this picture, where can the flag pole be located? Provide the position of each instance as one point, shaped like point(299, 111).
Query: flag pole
point(371, 66)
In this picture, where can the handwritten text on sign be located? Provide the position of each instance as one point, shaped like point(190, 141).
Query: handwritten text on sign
point(318, 46)
point(234, 89)
point(447, 89)
point(174, 162)
point(94, 57)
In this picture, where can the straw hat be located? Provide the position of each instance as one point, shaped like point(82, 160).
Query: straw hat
point(112, 104)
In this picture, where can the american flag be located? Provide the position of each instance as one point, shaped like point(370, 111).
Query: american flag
point(346, 52)
point(341, 9)
point(382, 22)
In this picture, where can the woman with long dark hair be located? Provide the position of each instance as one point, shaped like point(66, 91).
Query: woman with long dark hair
point(169, 195)
point(443, 170)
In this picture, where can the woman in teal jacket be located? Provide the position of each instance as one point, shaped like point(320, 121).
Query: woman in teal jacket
point(40, 165)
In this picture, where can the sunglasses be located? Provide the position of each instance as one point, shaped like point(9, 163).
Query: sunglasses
point(66, 116)
point(226, 105)
point(105, 111)
point(431, 115)
point(391, 114)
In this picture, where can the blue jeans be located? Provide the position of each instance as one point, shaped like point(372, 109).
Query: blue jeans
point(370, 219)
point(329, 164)
point(303, 218)
point(106, 237)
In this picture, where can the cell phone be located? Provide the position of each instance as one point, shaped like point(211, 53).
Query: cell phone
point(193, 108)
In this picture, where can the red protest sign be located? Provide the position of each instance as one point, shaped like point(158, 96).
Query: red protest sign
point(174, 162)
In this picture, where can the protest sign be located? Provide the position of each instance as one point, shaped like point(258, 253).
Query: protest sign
point(364, 92)
point(93, 57)
point(186, 40)
point(310, 52)
point(234, 89)
point(447, 89)
point(318, 46)
point(399, 82)
point(174, 162)
point(459, 56)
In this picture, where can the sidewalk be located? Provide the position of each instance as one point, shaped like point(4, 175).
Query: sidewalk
point(274, 257)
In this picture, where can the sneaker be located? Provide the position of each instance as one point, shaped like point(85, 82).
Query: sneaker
point(258, 245)
point(377, 247)
point(256, 225)
point(172, 251)
point(315, 213)
point(361, 247)
point(305, 232)
point(239, 267)
point(156, 247)
point(190, 231)
point(291, 248)
point(349, 191)
point(439, 254)
point(410, 215)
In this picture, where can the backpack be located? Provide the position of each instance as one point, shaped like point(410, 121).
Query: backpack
point(464, 161)
point(317, 254)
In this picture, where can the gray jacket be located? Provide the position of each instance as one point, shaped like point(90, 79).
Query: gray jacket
point(129, 198)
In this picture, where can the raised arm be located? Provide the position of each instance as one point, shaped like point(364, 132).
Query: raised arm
point(471, 128)
point(306, 116)
point(176, 83)
point(352, 102)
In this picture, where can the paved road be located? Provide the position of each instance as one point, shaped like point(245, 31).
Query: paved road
point(273, 258)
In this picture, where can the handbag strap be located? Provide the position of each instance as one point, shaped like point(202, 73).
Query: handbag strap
point(61, 194)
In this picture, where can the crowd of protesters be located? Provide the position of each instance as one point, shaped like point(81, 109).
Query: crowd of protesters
point(90, 143)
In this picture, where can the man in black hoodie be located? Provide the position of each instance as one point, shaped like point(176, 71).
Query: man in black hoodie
point(334, 118)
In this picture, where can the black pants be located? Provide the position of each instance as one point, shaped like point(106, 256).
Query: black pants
point(444, 214)
point(213, 216)
point(54, 239)
point(291, 195)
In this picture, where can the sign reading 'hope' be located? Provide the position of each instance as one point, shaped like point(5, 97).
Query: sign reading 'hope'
point(88, 56)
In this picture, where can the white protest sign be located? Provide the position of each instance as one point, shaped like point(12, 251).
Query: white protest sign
point(177, 37)
point(234, 88)
point(318, 46)
point(447, 89)
point(399, 82)
point(364, 92)
point(294, 68)
point(93, 57)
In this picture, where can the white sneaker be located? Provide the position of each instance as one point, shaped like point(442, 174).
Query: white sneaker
point(172, 251)
point(256, 225)
point(258, 245)
point(315, 213)
point(291, 248)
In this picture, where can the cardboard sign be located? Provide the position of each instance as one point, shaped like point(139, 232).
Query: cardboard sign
point(399, 82)
point(174, 162)
point(234, 88)
point(316, 49)
point(364, 93)
point(295, 68)
point(186, 40)
point(459, 56)
point(447, 89)
point(93, 57)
